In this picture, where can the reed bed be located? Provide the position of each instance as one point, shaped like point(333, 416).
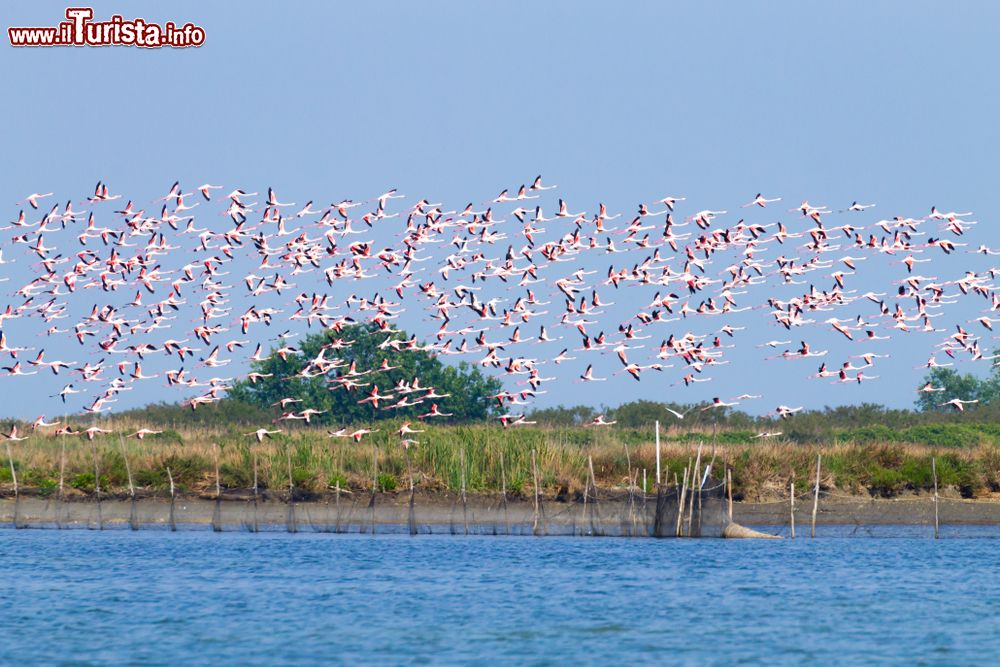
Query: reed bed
point(481, 458)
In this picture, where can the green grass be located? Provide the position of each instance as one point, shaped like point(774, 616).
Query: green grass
point(484, 458)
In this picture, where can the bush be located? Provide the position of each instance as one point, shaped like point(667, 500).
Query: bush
point(47, 487)
point(867, 434)
point(943, 435)
point(85, 482)
point(885, 482)
point(153, 478)
point(386, 482)
point(186, 470)
point(336, 480)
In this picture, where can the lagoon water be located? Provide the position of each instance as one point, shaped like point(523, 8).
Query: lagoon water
point(158, 598)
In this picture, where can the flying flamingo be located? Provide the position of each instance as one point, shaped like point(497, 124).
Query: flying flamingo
point(262, 433)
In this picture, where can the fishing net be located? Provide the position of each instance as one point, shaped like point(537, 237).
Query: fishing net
point(670, 512)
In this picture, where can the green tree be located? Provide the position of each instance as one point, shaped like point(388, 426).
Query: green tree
point(563, 416)
point(468, 390)
point(966, 387)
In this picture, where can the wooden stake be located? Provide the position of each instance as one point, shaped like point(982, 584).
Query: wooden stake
point(97, 487)
point(812, 532)
point(17, 497)
point(13, 473)
point(337, 502)
point(937, 534)
point(791, 501)
point(62, 478)
point(680, 505)
point(534, 471)
point(133, 519)
point(503, 494)
point(173, 523)
point(465, 507)
point(657, 452)
point(628, 462)
point(218, 478)
point(694, 481)
point(374, 485)
point(62, 470)
point(217, 510)
point(592, 482)
point(729, 484)
point(593, 479)
point(255, 485)
point(290, 521)
point(411, 517)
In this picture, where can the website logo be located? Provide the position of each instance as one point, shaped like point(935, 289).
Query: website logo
point(79, 29)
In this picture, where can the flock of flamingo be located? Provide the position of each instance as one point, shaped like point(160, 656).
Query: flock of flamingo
point(194, 282)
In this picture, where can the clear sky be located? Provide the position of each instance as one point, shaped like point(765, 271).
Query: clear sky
point(887, 102)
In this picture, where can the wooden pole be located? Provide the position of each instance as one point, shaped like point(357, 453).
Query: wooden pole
point(371, 504)
point(13, 472)
point(17, 497)
point(217, 510)
point(694, 481)
point(128, 469)
point(62, 480)
point(586, 492)
point(628, 463)
point(937, 534)
point(97, 486)
point(503, 494)
point(812, 532)
point(680, 504)
point(256, 485)
point(791, 503)
point(133, 519)
point(173, 522)
point(218, 479)
point(657, 452)
point(465, 504)
point(534, 472)
point(337, 504)
point(411, 517)
point(593, 482)
point(729, 485)
point(290, 521)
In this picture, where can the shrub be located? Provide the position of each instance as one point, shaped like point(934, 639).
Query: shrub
point(85, 482)
point(386, 482)
point(885, 482)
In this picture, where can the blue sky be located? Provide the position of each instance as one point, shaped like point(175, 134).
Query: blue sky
point(891, 102)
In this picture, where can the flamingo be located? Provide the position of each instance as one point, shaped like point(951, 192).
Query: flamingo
point(958, 403)
point(360, 433)
point(143, 432)
point(32, 199)
point(435, 412)
point(785, 412)
point(12, 435)
point(40, 422)
point(262, 433)
point(599, 420)
point(760, 201)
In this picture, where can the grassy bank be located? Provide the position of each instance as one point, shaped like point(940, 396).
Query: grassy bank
point(486, 456)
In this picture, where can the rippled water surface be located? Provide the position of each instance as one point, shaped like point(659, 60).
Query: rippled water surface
point(158, 598)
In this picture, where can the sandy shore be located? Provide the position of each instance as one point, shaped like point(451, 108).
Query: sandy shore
point(478, 514)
